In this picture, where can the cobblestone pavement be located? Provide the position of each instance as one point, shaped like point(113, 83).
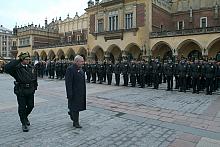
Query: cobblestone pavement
point(115, 116)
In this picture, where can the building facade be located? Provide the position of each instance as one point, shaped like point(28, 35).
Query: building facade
point(188, 28)
point(5, 43)
point(118, 28)
point(130, 29)
point(56, 40)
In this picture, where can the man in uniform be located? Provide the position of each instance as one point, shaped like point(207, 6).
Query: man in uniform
point(109, 71)
point(133, 73)
point(182, 74)
point(88, 72)
point(196, 76)
point(142, 74)
point(210, 73)
point(156, 73)
point(94, 72)
point(25, 85)
point(125, 70)
point(169, 71)
point(117, 71)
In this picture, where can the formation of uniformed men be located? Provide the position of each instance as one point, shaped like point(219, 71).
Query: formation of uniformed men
point(197, 75)
point(52, 68)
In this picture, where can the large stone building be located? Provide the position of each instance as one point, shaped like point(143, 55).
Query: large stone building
point(5, 43)
point(188, 28)
point(135, 29)
point(56, 40)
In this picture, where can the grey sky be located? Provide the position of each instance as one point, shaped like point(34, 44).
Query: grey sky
point(23, 12)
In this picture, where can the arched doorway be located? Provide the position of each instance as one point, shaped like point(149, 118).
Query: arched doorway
point(43, 56)
point(36, 56)
point(162, 50)
point(70, 54)
point(82, 52)
point(195, 54)
point(214, 48)
point(98, 54)
point(114, 53)
point(60, 54)
point(133, 52)
point(51, 55)
point(188, 48)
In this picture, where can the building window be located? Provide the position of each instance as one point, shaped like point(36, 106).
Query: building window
point(203, 22)
point(69, 39)
point(113, 22)
point(128, 21)
point(78, 38)
point(100, 25)
point(180, 25)
point(14, 43)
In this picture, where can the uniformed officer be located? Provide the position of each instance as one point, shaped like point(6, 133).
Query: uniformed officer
point(196, 76)
point(94, 71)
point(133, 73)
point(156, 73)
point(142, 74)
point(109, 71)
point(210, 73)
point(117, 71)
point(25, 85)
point(125, 70)
point(169, 71)
point(100, 72)
point(88, 70)
point(182, 74)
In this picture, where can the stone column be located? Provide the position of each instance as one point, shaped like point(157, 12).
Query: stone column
point(134, 16)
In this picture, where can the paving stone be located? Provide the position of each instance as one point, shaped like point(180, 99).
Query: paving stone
point(126, 126)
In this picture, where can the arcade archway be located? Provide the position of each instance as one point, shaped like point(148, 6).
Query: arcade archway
point(82, 52)
point(214, 48)
point(70, 54)
point(51, 55)
point(114, 53)
point(133, 52)
point(36, 56)
point(188, 48)
point(43, 56)
point(60, 54)
point(162, 50)
point(98, 53)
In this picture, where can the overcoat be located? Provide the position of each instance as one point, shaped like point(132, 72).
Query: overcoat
point(75, 88)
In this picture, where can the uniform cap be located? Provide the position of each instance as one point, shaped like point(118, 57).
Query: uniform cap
point(24, 56)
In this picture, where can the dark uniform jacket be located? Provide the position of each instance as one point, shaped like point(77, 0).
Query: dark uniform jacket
point(195, 70)
point(169, 69)
point(75, 88)
point(25, 77)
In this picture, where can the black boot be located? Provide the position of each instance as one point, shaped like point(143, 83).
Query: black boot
point(76, 120)
point(76, 125)
point(25, 128)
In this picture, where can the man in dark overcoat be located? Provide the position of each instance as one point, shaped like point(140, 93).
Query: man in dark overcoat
point(76, 89)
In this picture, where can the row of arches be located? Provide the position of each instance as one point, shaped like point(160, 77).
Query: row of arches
point(113, 52)
point(60, 54)
point(188, 49)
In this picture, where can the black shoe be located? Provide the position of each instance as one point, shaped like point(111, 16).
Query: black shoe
point(28, 122)
point(76, 125)
point(25, 128)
